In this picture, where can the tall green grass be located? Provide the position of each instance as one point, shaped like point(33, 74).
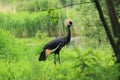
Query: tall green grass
point(25, 24)
point(21, 61)
point(7, 45)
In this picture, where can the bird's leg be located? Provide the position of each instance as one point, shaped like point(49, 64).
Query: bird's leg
point(54, 58)
point(59, 58)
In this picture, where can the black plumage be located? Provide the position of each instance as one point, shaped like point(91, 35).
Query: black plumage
point(55, 46)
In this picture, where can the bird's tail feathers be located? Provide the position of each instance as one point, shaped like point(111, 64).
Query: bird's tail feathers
point(42, 56)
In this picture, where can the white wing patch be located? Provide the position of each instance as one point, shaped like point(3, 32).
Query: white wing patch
point(48, 51)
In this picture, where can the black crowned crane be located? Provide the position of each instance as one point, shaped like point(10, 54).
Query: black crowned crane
point(55, 46)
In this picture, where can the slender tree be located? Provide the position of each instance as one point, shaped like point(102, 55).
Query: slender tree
point(113, 18)
point(114, 23)
point(107, 30)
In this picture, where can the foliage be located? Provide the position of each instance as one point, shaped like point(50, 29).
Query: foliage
point(79, 64)
point(7, 46)
point(90, 59)
point(21, 62)
point(37, 5)
point(40, 35)
point(27, 24)
point(117, 7)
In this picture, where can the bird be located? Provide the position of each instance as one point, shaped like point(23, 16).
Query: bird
point(54, 46)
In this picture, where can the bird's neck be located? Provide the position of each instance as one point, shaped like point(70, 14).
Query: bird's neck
point(67, 38)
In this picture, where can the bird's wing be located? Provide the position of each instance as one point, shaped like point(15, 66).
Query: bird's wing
point(53, 44)
point(49, 51)
point(57, 50)
point(57, 46)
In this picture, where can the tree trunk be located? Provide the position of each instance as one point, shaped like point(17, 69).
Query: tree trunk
point(115, 27)
point(113, 18)
point(115, 24)
point(107, 30)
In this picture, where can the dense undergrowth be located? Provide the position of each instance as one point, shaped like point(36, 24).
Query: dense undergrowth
point(87, 58)
point(19, 61)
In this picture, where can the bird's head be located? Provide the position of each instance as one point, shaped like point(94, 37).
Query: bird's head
point(69, 24)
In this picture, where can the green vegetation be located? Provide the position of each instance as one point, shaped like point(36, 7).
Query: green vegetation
point(27, 24)
point(20, 61)
point(25, 31)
